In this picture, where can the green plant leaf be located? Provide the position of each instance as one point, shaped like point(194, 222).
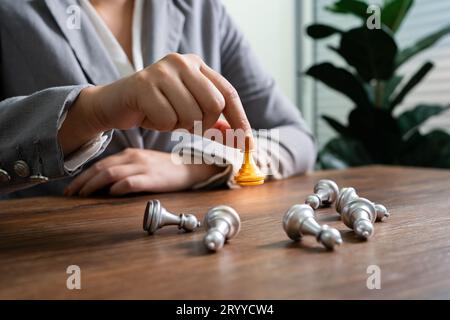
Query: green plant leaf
point(378, 131)
point(336, 125)
point(430, 150)
point(394, 12)
point(354, 7)
point(416, 78)
point(342, 152)
point(389, 89)
point(412, 119)
point(421, 45)
point(341, 80)
point(321, 31)
point(370, 92)
point(371, 52)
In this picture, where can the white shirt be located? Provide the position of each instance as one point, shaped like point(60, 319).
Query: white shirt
point(125, 67)
point(115, 50)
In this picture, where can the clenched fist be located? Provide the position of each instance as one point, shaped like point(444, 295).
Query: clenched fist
point(170, 94)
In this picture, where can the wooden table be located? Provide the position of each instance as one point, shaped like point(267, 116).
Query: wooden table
point(41, 237)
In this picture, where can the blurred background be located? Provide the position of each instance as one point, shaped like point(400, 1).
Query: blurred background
point(277, 31)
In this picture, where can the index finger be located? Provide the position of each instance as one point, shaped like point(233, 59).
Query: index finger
point(234, 111)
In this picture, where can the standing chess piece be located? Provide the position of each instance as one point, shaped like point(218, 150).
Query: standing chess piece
point(299, 221)
point(249, 174)
point(348, 194)
point(325, 193)
point(222, 223)
point(156, 217)
point(360, 214)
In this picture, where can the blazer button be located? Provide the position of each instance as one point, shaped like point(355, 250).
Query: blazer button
point(21, 168)
point(4, 176)
point(38, 178)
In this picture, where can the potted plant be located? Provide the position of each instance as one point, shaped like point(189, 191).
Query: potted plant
point(374, 135)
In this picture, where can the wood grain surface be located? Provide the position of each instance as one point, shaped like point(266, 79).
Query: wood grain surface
point(41, 237)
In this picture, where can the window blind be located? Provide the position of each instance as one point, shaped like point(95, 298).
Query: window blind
point(425, 17)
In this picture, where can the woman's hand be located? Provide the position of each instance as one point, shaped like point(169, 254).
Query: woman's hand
point(171, 94)
point(137, 170)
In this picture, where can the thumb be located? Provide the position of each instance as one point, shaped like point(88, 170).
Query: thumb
point(222, 125)
point(229, 140)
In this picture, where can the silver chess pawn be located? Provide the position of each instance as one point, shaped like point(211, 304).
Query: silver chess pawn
point(382, 212)
point(299, 221)
point(348, 194)
point(156, 217)
point(359, 214)
point(222, 223)
point(325, 193)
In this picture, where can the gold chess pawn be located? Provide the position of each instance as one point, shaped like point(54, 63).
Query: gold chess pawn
point(249, 175)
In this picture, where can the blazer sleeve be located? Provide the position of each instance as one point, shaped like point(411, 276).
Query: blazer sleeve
point(28, 133)
point(265, 105)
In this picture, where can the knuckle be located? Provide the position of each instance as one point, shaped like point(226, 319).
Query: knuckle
point(128, 151)
point(167, 125)
point(141, 77)
point(231, 93)
point(129, 184)
point(188, 121)
point(161, 72)
point(110, 174)
point(186, 124)
point(98, 167)
point(218, 104)
point(172, 56)
point(131, 153)
point(171, 124)
point(243, 123)
point(143, 80)
point(195, 58)
point(177, 59)
point(139, 155)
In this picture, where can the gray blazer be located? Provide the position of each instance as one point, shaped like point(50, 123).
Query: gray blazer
point(44, 65)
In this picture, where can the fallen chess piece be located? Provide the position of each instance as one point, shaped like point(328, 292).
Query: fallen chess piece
point(222, 223)
point(325, 193)
point(348, 194)
point(359, 215)
point(382, 212)
point(299, 221)
point(156, 217)
point(249, 174)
